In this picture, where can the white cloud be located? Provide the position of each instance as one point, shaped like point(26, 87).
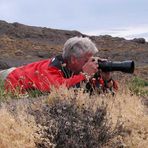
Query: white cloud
point(127, 32)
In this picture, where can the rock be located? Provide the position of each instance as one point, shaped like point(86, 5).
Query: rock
point(19, 53)
point(3, 65)
point(29, 57)
point(43, 54)
point(139, 40)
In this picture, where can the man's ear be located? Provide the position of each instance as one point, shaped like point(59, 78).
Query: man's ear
point(73, 60)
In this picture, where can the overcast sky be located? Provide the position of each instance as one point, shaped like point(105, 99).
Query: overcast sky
point(123, 18)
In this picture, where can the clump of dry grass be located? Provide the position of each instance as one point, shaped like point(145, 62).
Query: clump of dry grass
point(16, 130)
point(135, 118)
point(70, 117)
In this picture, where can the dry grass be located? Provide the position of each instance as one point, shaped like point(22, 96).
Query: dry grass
point(12, 45)
point(16, 131)
point(123, 109)
point(68, 118)
point(134, 117)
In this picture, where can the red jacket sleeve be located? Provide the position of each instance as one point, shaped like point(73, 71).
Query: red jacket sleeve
point(56, 79)
point(42, 79)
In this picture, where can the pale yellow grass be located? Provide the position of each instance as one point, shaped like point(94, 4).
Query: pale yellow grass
point(134, 116)
point(16, 131)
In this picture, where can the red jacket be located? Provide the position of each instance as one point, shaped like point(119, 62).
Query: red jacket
point(40, 75)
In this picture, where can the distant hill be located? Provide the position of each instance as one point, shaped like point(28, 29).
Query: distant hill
point(22, 44)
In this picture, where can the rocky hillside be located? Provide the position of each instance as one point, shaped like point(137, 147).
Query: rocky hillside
point(21, 44)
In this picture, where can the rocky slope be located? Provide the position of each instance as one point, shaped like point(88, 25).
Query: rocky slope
point(21, 44)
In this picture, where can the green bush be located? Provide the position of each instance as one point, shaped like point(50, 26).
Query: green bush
point(2, 92)
point(139, 86)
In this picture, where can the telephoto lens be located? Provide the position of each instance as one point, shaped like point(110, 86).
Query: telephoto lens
point(123, 66)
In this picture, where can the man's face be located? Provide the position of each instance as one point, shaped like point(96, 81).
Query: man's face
point(76, 64)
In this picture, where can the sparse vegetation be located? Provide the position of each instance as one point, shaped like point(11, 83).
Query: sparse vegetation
point(139, 86)
point(66, 118)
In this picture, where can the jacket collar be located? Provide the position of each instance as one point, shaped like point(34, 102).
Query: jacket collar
point(59, 63)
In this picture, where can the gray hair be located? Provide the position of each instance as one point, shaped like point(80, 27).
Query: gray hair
point(78, 46)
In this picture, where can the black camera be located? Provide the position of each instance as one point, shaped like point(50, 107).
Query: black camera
point(123, 66)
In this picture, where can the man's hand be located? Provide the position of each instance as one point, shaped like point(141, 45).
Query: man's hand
point(106, 76)
point(90, 67)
